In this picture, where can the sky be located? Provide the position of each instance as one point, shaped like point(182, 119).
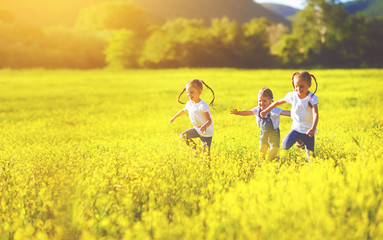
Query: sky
point(292, 3)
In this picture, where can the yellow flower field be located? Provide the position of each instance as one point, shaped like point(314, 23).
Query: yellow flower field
point(91, 155)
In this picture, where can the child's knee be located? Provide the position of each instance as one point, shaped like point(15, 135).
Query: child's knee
point(285, 146)
point(183, 136)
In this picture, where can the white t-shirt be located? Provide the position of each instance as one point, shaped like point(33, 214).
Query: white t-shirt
point(196, 114)
point(301, 112)
point(275, 113)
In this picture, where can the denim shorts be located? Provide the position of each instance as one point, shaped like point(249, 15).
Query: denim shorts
point(271, 138)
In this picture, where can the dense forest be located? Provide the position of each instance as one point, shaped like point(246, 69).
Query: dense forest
point(124, 34)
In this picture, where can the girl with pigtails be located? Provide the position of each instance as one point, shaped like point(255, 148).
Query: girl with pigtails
point(304, 112)
point(199, 114)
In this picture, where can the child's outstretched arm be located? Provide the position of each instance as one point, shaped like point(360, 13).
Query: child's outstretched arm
point(241, 113)
point(286, 113)
point(272, 106)
point(180, 113)
point(311, 132)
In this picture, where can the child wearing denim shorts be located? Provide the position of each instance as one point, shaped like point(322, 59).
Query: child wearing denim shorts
point(269, 125)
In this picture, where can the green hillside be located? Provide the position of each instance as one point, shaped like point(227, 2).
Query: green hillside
point(281, 10)
point(65, 12)
point(371, 8)
point(240, 10)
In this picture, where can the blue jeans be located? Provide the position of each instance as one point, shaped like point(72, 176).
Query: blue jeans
point(270, 138)
point(187, 136)
point(293, 136)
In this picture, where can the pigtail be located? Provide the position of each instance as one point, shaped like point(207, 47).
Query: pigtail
point(316, 87)
point(181, 95)
point(212, 101)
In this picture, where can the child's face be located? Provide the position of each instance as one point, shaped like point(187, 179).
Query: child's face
point(193, 93)
point(264, 101)
point(301, 87)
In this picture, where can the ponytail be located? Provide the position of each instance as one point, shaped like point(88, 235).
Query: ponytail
point(181, 95)
point(316, 87)
point(212, 101)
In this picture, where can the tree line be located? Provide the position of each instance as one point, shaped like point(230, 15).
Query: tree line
point(119, 35)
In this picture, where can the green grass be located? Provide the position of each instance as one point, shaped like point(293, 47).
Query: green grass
point(91, 154)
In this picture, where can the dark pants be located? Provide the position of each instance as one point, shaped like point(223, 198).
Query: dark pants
point(192, 133)
point(293, 136)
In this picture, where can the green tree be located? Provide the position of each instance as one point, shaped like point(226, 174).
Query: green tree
point(226, 37)
point(114, 15)
point(363, 41)
point(190, 43)
point(317, 35)
point(23, 46)
point(319, 29)
point(276, 33)
point(255, 50)
point(290, 53)
point(66, 48)
point(325, 35)
point(122, 50)
point(177, 43)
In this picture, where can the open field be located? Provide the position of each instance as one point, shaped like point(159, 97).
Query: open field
point(91, 155)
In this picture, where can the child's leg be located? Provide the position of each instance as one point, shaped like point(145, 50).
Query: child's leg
point(310, 143)
point(274, 142)
point(262, 151)
point(206, 143)
point(290, 139)
point(186, 136)
point(263, 144)
point(273, 153)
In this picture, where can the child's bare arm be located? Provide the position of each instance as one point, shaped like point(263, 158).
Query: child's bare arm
point(207, 124)
point(180, 113)
point(241, 113)
point(286, 113)
point(272, 106)
point(311, 132)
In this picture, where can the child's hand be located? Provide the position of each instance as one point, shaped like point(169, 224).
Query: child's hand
point(311, 132)
point(234, 111)
point(202, 129)
point(171, 120)
point(263, 114)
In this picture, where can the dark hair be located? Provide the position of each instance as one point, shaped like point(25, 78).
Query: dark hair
point(199, 85)
point(306, 77)
point(266, 92)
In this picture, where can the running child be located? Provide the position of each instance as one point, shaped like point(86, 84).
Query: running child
point(199, 114)
point(304, 112)
point(269, 124)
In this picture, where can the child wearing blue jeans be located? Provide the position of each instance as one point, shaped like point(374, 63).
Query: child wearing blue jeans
point(269, 124)
point(304, 112)
point(199, 114)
